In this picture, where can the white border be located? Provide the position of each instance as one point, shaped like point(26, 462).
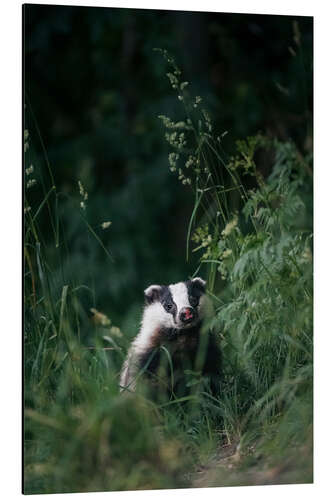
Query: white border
point(283, 7)
point(10, 199)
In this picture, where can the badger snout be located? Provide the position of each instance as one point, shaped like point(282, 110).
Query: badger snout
point(187, 315)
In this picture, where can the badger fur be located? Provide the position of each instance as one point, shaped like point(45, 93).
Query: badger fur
point(172, 321)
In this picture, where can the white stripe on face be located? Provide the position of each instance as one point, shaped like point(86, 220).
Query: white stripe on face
point(179, 294)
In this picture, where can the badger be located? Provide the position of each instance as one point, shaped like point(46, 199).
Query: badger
point(172, 340)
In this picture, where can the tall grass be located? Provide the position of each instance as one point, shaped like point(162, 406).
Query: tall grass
point(253, 239)
point(254, 235)
point(80, 434)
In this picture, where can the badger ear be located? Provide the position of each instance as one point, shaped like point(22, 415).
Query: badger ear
point(152, 293)
point(199, 283)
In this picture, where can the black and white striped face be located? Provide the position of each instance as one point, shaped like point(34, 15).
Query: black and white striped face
point(178, 305)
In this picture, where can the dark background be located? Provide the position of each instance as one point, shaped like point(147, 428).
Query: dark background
point(94, 88)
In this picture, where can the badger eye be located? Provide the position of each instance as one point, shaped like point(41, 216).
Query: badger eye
point(194, 301)
point(169, 307)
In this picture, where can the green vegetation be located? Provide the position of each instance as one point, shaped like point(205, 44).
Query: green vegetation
point(249, 233)
point(81, 435)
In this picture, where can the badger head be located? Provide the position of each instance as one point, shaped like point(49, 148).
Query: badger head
point(177, 306)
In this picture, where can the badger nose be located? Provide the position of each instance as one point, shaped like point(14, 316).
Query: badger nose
point(186, 314)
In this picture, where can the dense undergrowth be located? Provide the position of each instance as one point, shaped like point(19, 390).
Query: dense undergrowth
point(253, 237)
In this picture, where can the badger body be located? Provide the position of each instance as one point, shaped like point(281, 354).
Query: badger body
point(171, 340)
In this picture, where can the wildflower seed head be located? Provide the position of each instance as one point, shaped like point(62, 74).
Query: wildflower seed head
point(190, 161)
point(230, 226)
point(168, 123)
point(83, 193)
point(173, 80)
point(31, 182)
point(173, 157)
point(81, 188)
point(227, 253)
point(176, 140)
